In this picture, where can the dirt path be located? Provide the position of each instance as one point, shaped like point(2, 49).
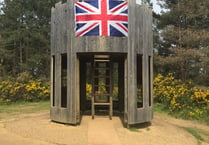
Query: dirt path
point(101, 131)
point(37, 129)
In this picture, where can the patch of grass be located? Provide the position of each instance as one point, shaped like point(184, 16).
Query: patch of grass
point(204, 134)
point(199, 134)
point(133, 129)
point(160, 108)
point(194, 132)
point(18, 108)
point(183, 114)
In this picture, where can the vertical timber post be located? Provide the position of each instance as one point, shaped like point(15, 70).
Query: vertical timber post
point(131, 62)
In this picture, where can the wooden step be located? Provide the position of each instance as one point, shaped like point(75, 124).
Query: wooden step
point(103, 68)
point(95, 94)
point(101, 60)
point(102, 56)
point(102, 103)
point(101, 76)
point(104, 86)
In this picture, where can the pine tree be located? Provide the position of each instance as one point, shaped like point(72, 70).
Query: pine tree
point(184, 38)
point(25, 29)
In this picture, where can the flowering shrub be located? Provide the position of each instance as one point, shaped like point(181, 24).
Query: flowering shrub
point(181, 98)
point(24, 88)
point(88, 91)
point(101, 90)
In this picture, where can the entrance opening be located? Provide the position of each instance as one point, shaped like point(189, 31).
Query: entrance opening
point(101, 76)
point(102, 85)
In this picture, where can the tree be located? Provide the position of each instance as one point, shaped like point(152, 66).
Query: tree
point(25, 29)
point(184, 38)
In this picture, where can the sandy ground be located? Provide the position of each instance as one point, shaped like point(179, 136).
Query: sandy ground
point(37, 129)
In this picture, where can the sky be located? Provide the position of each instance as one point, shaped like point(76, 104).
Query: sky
point(156, 7)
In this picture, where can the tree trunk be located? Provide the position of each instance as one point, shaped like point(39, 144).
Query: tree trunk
point(21, 55)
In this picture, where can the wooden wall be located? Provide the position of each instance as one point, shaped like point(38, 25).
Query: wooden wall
point(63, 40)
point(139, 42)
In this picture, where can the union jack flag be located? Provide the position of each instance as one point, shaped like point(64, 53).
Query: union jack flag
point(101, 18)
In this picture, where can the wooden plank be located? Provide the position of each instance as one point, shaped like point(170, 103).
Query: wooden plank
point(57, 25)
point(146, 30)
point(61, 25)
point(151, 80)
point(68, 27)
point(150, 34)
point(77, 91)
point(126, 91)
point(72, 99)
point(101, 44)
point(131, 62)
point(52, 53)
point(139, 30)
point(57, 79)
point(102, 104)
point(53, 30)
point(52, 34)
point(63, 28)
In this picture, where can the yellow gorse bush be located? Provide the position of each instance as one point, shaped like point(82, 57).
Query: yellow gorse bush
point(24, 89)
point(88, 91)
point(180, 97)
point(101, 90)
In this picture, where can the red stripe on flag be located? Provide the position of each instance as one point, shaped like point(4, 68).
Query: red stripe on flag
point(104, 17)
point(100, 17)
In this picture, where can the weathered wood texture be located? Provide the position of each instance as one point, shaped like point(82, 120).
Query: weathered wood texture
point(60, 45)
point(63, 40)
point(139, 42)
point(131, 63)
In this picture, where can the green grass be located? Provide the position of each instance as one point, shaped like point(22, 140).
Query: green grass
point(204, 134)
point(183, 114)
point(160, 108)
point(133, 129)
point(193, 132)
point(199, 134)
point(18, 108)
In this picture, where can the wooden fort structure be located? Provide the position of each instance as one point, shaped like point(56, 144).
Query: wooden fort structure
point(101, 72)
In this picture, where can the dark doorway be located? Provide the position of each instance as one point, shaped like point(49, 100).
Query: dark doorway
point(86, 87)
